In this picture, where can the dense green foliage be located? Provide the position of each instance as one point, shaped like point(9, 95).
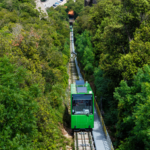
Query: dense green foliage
point(34, 52)
point(116, 33)
point(133, 109)
point(84, 51)
point(17, 117)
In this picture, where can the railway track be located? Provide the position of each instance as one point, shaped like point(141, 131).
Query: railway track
point(83, 140)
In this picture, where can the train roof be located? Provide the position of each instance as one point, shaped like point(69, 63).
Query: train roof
point(80, 82)
point(81, 89)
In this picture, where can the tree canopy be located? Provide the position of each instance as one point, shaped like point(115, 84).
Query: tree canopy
point(119, 38)
point(34, 53)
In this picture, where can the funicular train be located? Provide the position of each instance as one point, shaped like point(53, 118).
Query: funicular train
point(82, 106)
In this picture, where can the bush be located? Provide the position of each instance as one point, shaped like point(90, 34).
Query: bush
point(17, 107)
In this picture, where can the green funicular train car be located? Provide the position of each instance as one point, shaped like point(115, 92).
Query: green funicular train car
point(82, 106)
point(70, 28)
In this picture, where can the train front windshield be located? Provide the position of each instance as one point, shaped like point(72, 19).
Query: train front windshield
point(82, 104)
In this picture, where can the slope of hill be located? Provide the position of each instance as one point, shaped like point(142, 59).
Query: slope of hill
point(34, 53)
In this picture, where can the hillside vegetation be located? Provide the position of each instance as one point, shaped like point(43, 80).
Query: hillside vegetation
point(34, 53)
point(113, 46)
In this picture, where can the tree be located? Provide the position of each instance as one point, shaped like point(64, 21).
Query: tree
point(133, 111)
point(85, 53)
point(17, 106)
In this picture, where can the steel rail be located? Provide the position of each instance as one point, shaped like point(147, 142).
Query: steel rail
point(90, 141)
point(77, 141)
point(84, 140)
